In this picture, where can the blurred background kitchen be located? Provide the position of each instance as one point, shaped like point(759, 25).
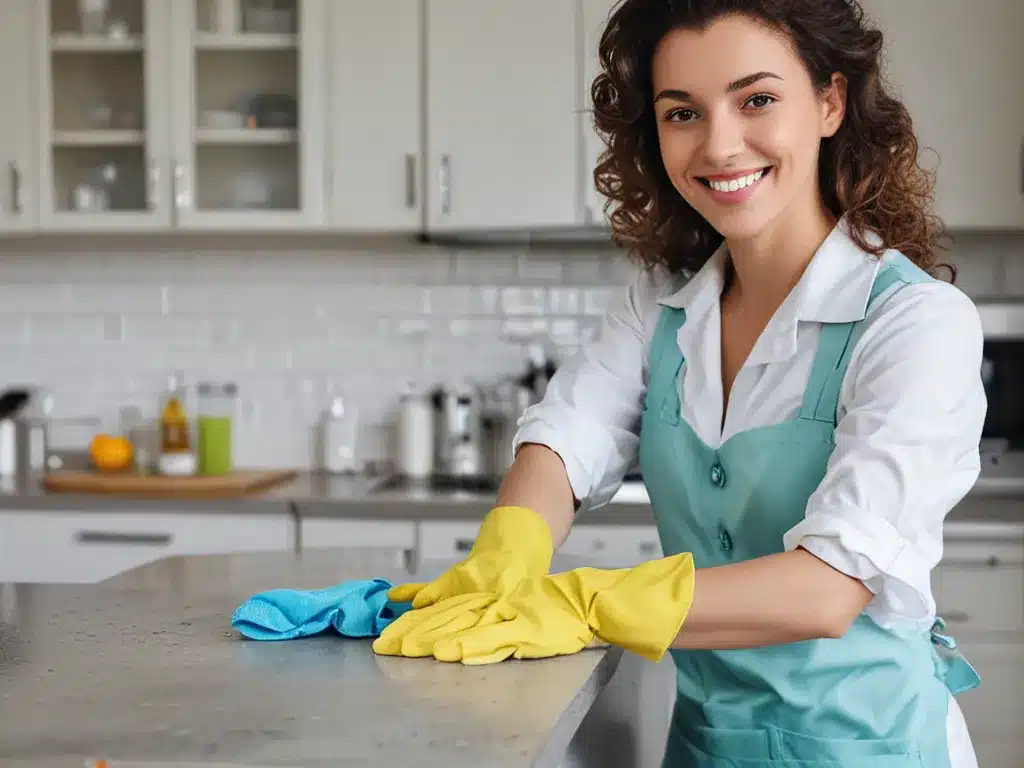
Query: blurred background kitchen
point(353, 239)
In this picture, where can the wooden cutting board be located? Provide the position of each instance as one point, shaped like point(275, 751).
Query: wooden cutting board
point(239, 483)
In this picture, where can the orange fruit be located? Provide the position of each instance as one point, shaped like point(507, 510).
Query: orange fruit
point(110, 453)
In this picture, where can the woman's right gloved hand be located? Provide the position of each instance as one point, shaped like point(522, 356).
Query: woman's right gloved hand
point(514, 543)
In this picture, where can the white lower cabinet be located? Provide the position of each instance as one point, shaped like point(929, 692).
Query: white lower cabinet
point(74, 547)
point(979, 590)
point(392, 542)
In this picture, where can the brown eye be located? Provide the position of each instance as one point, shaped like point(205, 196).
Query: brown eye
point(760, 100)
point(681, 115)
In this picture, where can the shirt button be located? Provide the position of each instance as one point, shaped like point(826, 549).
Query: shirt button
point(717, 475)
point(725, 540)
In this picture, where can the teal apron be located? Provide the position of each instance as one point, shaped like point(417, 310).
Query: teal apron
point(876, 697)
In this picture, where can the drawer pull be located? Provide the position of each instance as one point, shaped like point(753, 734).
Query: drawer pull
point(992, 561)
point(955, 617)
point(648, 547)
point(115, 537)
point(463, 545)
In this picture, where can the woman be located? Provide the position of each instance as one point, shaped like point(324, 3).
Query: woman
point(802, 393)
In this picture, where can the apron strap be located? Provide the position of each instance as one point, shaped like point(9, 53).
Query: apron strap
point(665, 360)
point(838, 340)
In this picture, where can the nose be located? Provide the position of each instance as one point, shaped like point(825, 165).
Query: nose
point(723, 140)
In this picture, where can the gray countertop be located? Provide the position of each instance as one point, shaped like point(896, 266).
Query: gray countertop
point(146, 667)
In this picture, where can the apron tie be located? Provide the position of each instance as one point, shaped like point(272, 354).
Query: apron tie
point(956, 672)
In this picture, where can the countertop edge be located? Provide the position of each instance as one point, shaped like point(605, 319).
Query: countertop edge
point(568, 724)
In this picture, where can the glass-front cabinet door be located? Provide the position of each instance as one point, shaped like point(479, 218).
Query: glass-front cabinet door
point(104, 114)
point(248, 134)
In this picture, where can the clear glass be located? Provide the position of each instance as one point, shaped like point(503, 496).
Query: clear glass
point(217, 407)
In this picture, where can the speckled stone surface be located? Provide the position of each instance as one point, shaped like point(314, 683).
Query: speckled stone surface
point(146, 668)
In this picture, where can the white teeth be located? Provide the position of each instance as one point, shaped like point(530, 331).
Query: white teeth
point(734, 185)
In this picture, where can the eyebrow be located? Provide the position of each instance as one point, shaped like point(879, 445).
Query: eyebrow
point(735, 85)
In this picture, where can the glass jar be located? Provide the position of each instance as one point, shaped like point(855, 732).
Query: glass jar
point(217, 408)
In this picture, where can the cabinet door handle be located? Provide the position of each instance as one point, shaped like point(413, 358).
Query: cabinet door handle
point(955, 617)
point(154, 185)
point(123, 537)
point(463, 545)
point(410, 180)
point(444, 177)
point(181, 196)
point(16, 201)
point(648, 547)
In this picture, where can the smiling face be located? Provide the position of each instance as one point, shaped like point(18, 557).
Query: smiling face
point(740, 124)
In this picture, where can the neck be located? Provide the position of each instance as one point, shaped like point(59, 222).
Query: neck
point(765, 268)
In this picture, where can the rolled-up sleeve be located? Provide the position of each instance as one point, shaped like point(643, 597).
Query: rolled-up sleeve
point(912, 407)
point(590, 413)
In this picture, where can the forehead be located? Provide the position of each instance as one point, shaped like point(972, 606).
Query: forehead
point(705, 61)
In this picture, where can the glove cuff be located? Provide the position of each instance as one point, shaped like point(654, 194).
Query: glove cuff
point(517, 529)
point(645, 609)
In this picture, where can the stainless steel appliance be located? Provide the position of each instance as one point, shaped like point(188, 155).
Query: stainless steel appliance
point(23, 449)
point(1003, 374)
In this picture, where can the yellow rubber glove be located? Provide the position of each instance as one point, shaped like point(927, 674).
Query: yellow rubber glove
point(640, 609)
point(514, 543)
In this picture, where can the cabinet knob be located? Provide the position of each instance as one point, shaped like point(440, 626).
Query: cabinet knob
point(444, 178)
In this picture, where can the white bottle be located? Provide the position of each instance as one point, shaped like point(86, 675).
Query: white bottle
point(415, 435)
point(340, 431)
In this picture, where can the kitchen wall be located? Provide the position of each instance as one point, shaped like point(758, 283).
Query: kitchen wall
point(104, 321)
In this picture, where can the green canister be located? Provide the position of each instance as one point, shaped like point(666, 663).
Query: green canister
point(218, 404)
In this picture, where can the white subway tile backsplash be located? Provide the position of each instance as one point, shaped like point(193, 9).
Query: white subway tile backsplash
point(104, 328)
point(564, 301)
point(13, 329)
point(596, 300)
point(38, 299)
point(521, 300)
point(117, 297)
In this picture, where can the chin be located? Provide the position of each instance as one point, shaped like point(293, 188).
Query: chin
point(738, 225)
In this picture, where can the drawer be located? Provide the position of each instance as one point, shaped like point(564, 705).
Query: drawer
point(319, 533)
point(613, 546)
point(603, 546)
point(995, 709)
point(446, 540)
point(85, 547)
point(980, 588)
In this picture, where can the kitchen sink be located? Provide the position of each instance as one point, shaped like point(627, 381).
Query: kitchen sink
point(441, 483)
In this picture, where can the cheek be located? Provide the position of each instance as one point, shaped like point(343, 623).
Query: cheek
point(677, 150)
point(789, 140)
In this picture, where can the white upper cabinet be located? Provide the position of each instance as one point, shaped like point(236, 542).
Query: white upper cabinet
point(595, 15)
point(374, 153)
point(502, 114)
point(958, 68)
point(17, 134)
point(248, 114)
point(103, 115)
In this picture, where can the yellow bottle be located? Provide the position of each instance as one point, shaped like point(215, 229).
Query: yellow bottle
point(174, 430)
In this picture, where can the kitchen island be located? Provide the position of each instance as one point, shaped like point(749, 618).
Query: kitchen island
point(146, 669)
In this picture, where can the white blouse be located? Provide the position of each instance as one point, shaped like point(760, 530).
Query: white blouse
point(911, 409)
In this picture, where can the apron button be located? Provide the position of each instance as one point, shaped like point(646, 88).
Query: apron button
point(725, 540)
point(717, 475)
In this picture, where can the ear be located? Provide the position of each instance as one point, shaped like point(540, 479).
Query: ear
point(833, 105)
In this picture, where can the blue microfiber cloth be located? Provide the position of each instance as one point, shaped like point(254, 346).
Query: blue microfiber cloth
point(353, 608)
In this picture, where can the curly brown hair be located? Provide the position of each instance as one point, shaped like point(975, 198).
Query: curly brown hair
point(868, 171)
